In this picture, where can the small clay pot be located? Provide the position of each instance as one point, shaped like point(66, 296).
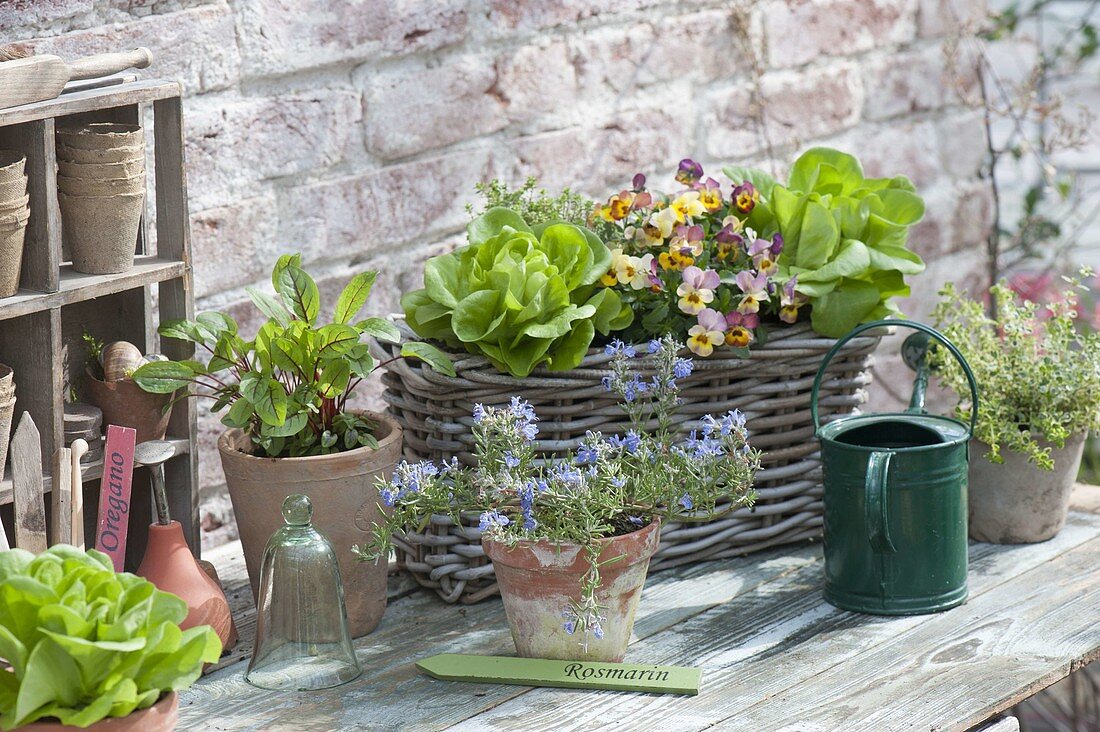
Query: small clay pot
point(7, 412)
point(169, 564)
point(101, 170)
point(101, 231)
point(110, 155)
point(1015, 502)
point(13, 189)
point(101, 186)
point(538, 580)
point(11, 259)
point(12, 165)
point(124, 403)
point(101, 136)
point(161, 717)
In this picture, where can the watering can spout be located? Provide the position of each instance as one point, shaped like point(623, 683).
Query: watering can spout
point(914, 352)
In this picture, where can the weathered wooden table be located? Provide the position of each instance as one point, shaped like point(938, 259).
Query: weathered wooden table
point(774, 655)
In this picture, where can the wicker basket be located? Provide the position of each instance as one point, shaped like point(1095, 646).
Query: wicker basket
point(772, 388)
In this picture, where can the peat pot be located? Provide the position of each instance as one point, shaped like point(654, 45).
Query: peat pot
point(101, 231)
point(341, 487)
point(895, 498)
point(1016, 502)
point(161, 717)
point(539, 579)
point(125, 404)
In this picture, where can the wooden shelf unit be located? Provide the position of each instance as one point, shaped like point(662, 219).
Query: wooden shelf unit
point(41, 326)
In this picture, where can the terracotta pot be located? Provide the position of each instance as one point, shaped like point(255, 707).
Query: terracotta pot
point(101, 186)
point(110, 155)
point(7, 411)
point(125, 404)
point(101, 231)
point(345, 508)
point(1015, 502)
point(12, 165)
point(169, 564)
point(101, 136)
point(126, 169)
point(161, 717)
point(539, 579)
point(11, 259)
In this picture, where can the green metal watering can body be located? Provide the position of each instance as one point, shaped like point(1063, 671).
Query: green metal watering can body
point(895, 502)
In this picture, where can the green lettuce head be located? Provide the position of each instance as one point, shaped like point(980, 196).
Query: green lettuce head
point(86, 643)
point(519, 295)
point(844, 237)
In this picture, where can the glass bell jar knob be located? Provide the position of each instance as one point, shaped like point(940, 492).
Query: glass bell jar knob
point(302, 638)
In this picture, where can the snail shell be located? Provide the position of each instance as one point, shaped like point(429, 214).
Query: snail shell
point(120, 359)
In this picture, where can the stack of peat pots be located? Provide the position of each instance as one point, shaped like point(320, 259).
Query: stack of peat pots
point(14, 212)
point(101, 193)
point(7, 411)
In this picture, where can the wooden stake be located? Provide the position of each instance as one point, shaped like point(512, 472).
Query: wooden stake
point(26, 472)
point(76, 490)
point(61, 510)
point(566, 674)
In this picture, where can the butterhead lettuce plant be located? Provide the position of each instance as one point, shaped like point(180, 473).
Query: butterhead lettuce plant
point(85, 643)
point(519, 295)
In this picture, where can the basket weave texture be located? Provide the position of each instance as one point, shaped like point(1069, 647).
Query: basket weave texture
point(771, 386)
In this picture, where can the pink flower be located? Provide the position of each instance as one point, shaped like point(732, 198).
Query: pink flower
point(754, 287)
point(763, 257)
point(739, 328)
point(697, 289)
point(708, 333)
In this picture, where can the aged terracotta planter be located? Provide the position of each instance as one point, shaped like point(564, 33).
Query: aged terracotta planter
point(125, 404)
point(1015, 502)
point(161, 717)
point(345, 508)
point(538, 580)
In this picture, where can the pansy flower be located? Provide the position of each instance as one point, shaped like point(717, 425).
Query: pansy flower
point(697, 289)
point(687, 205)
point(739, 327)
point(688, 172)
point(745, 197)
point(616, 273)
point(665, 221)
point(762, 256)
point(674, 260)
point(790, 301)
point(754, 287)
point(710, 195)
point(729, 239)
point(643, 268)
point(707, 333)
point(687, 240)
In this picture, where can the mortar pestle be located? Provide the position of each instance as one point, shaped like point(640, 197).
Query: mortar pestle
point(168, 562)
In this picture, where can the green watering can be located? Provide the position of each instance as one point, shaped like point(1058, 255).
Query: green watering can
point(895, 496)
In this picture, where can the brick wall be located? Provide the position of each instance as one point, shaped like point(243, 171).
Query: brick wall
point(354, 131)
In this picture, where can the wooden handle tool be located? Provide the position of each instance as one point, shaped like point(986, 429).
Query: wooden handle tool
point(76, 451)
point(36, 78)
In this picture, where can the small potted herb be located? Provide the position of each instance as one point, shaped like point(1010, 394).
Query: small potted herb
point(88, 647)
point(285, 397)
point(571, 541)
point(1039, 380)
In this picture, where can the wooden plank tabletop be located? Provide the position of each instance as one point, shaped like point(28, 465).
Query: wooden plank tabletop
point(774, 655)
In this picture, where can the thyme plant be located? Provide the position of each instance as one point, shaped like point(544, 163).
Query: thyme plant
point(610, 486)
point(1038, 375)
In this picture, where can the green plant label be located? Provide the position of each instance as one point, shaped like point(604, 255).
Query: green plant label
point(566, 674)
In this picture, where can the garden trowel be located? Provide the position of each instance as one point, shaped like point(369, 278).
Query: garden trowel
point(36, 78)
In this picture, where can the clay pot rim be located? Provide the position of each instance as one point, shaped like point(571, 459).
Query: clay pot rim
point(167, 700)
point(235, 434)
point(1038, 438)
point(522, 551)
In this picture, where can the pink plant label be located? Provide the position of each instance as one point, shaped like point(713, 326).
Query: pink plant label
point(114, 494)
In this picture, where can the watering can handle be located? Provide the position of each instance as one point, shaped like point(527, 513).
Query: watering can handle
point(906, 324)
point(875, 503)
